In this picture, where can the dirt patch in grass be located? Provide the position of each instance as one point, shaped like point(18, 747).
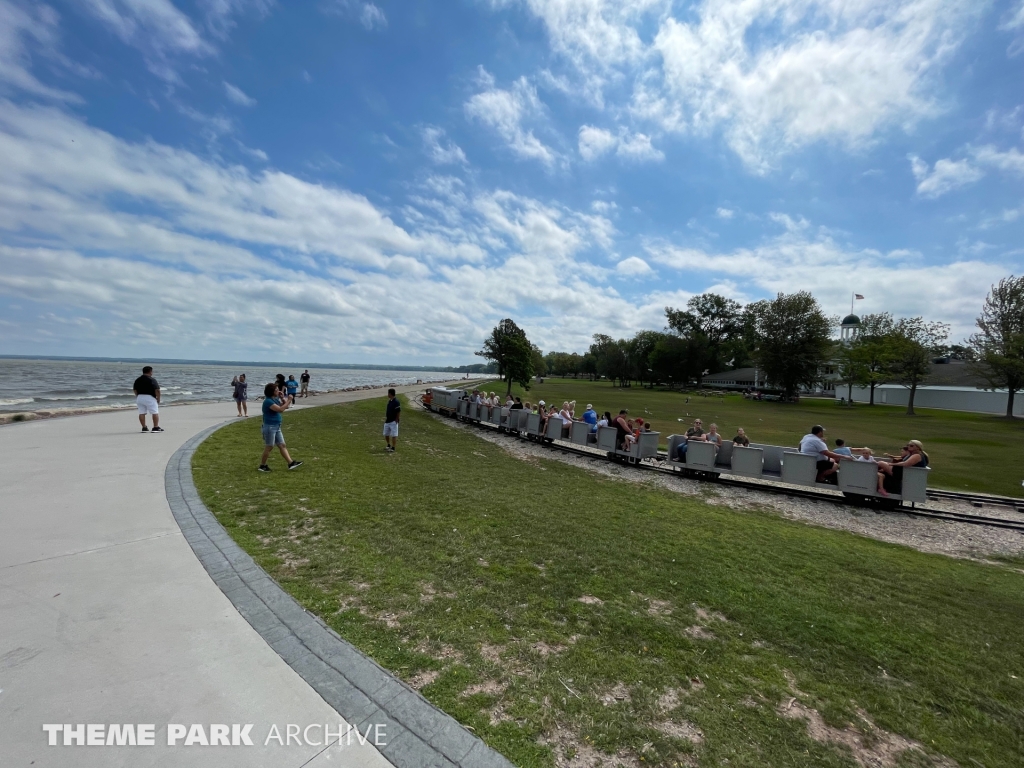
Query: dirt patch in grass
point(423, 679)
point(492, 654)
point(545, 649)
point(680, 729)
point(706, 616)
point(489, 687)
point(697, 632)
point(659, 607)
point(618, 693)
point(571, 751)
point(590, 600)
point(668, 700)
point(870, 746)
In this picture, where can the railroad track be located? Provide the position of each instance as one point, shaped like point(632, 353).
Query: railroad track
point(935, 514)
point(979, 499)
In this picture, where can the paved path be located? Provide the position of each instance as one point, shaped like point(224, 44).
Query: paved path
point(106, 615)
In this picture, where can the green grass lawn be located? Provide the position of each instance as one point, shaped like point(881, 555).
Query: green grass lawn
point(968, 451)
point(559, 613)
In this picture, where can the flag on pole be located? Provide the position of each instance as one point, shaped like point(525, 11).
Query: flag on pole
point(857, 296)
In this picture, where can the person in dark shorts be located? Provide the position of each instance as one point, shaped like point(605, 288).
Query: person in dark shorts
point(391, 417)
point(147, 397)
point(293, 388)
point(241, 394)
point(275, 403)
point(304, 379)
point(828, 461)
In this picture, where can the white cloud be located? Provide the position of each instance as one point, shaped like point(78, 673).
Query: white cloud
point(725, 213)
point(216, 256)
point(945, 176)
point(772, 75)
point(372, 17)
point(368, 14)
point(18, 24)
point(595, 142)
point(948, 175)
point(156, 27)
point(634, 266)
point(1010, 161)
point(1014, 22)
point(442, 155)
point(220, 13)
point(238, 96)
point(637, 146)
point(505, 112)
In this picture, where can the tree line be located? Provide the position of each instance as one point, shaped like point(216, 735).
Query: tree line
point(789, 339)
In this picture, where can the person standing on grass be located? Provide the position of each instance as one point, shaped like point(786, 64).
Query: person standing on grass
point(241, 394)
point(391, 417)
point(275, 403)
point(147, 397)
point(304, 378)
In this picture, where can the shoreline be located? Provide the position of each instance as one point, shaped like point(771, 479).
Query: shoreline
point(20, 417)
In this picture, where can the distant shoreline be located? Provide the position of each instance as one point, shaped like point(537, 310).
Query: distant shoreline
point(236, 363)
point(56, 413)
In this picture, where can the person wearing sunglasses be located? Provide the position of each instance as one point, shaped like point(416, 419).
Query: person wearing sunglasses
point(890, 473)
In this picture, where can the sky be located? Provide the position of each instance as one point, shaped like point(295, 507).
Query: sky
point(381, 182)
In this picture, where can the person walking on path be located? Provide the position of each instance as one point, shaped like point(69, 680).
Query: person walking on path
point(147, 397)
point(293, 387)
point(274, 405)
point(391, 417)
point(304, 378)
point(241, 394)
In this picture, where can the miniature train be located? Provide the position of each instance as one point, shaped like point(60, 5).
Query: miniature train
point(778, 464)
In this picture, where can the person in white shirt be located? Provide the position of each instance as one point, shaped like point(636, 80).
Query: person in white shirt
point(814, 444)
point(565, 414)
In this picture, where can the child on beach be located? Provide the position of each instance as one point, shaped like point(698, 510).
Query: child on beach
point(274, 405)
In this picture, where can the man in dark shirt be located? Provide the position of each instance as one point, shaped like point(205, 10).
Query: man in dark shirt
point(694, 433)
point(304, 378)
point(391, 417)
point(147, 397)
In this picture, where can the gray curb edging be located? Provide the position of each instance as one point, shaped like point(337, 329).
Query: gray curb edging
point(419, 735)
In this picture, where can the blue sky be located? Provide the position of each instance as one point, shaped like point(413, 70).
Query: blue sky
point(348, 181)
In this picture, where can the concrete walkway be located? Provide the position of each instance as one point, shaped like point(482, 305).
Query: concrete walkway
point(106, 615)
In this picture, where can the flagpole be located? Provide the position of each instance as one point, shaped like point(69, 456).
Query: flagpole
point(852, 295)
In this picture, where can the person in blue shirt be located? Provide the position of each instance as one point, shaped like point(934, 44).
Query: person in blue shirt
point(590, 417)
point(274, 406)
point(842, 449)
point(293, 388)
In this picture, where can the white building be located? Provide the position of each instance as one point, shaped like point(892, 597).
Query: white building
point(950, 386)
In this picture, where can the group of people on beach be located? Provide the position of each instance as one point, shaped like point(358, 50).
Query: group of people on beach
point(290, 388)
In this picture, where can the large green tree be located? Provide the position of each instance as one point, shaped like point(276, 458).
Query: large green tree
point(791, 337)
point(913, 344)
point(508, 346)
point(714, 326)
point(998, 346)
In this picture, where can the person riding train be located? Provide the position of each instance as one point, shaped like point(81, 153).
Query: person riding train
point(890, 473)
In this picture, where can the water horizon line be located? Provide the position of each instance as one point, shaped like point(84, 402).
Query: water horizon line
point(259, 363)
